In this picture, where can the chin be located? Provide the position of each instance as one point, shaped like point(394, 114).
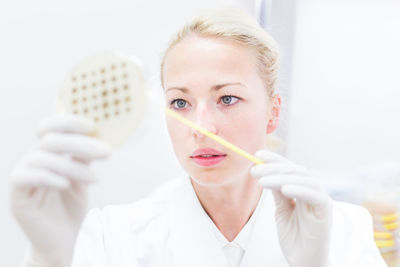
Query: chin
point(214, 177)
point(225, 173)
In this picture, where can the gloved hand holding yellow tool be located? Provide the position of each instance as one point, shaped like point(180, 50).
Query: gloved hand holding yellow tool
point(303, 212)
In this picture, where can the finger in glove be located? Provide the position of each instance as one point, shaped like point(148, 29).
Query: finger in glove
point(78, 146)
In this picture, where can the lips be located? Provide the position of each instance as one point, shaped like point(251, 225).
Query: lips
point(207, 156)
point(206, 152)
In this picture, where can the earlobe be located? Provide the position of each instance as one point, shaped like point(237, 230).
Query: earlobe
point(272, 124)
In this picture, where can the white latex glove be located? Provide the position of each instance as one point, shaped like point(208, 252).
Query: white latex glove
point(49, 196)
point(303, 213)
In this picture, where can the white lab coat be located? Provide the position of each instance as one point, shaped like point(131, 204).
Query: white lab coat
point(170, 228)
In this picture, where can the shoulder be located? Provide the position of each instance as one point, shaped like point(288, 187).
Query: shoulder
point(143, 208)
point(121, 233)
point(130, 217)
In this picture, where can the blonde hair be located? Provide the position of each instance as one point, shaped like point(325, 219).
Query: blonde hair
point(234, 24)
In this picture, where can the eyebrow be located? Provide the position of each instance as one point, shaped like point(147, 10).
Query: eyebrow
point(215, 87)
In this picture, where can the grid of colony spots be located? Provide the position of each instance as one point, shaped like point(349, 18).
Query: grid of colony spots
point(101, 93)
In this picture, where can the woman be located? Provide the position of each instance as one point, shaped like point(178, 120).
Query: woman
point(220, 72)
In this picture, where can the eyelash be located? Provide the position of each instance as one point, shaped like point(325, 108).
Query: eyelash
point(220, 99)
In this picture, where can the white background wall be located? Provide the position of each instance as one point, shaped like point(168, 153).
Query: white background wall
point(344, 91)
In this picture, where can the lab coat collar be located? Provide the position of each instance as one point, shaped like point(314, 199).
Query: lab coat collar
point(192, 240)
point(194, 243)
point(263, 248)
point(242, 239)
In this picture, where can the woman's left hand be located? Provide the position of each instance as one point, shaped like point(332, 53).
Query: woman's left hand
point(303, 212)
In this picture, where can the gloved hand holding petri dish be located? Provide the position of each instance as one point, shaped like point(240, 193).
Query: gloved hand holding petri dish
point(101, 103)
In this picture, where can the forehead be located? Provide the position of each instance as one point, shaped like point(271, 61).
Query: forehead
point(208, 60)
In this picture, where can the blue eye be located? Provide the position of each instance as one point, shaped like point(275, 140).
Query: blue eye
point(229, 100)
point(178, 103)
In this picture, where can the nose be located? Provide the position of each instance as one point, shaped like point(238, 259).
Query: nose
point(205, 118)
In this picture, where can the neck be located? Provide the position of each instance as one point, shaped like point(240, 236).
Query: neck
point(230, 206)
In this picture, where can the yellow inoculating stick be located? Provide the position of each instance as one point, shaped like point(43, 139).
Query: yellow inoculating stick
point(216, 138)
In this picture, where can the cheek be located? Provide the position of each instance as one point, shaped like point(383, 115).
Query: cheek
point(248, 131)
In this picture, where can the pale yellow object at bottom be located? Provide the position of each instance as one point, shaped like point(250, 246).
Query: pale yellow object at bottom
point(383, 235)
point(389, 218)
point(384, 243)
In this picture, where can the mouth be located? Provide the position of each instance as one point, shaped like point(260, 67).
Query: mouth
point(207, 152)
point(207, 157)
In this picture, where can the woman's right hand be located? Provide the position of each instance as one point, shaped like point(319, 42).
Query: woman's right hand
point(49, 187)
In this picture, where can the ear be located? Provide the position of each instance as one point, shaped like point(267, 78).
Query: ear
point(275, 112)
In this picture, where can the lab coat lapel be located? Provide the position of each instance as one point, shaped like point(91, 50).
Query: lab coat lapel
point(192, 239)
point(263, 248)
